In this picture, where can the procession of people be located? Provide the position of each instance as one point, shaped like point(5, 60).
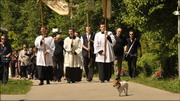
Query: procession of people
point(53, 58)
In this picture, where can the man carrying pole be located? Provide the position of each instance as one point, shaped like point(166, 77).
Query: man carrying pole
point(46, 47)
point(44, 56)
point(104, 64)
point(88, 53)
point(103, 47)
point(87, 41)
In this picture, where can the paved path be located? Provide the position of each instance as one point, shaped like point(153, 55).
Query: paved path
point(91, 91)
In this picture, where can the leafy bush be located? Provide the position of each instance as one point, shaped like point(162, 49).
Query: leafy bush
point(158, 75)
point(169, 65)
point(148, 63)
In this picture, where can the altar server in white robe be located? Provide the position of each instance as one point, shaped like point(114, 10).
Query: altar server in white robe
point(72, 61)
point(104, 60)
point(46, 47)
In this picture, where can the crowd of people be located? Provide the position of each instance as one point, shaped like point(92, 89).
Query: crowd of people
point(52, 58)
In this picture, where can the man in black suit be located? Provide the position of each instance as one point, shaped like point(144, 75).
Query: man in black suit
point(133, 45)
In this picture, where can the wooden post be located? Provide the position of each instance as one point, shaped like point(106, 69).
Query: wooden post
point(43, 33)
point(178, 37)
point(105, 33)
point(88, 34)
point(87, 18)
point(71, 13)
point(42, 18)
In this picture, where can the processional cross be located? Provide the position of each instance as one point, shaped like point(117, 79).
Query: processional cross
point(71, 6)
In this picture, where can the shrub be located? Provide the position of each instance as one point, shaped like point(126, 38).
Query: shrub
point(148, 63)
point(158, 74)
point(124, 71)
point(169, 65)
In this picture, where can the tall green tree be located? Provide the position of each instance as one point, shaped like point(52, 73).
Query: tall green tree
point(152, 19)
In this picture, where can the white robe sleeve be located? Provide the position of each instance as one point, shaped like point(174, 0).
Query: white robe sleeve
point(97, 44)
point(66, 45)
point(37, 42)
point(82, 40)
point(78, 50)
point(51, 47)
point(112, 39)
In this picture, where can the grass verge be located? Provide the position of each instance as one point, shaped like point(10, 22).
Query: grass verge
point(15, 87)
point(171, 85)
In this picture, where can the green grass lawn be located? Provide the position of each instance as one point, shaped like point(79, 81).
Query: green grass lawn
point(172, 85)
point(15, 87)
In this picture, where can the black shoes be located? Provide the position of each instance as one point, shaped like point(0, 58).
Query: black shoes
point(48, 82)
point(71, 82)
point(41, 83)
point(89, 80)
point(4, 83)
point(102, 81)
point(59, 80)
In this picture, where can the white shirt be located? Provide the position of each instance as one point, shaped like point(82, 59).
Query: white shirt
point(87, 35)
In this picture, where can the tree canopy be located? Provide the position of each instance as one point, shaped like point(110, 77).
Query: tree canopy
point(152, 20)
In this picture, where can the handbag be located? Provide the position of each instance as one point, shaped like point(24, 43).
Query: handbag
point(127, 55)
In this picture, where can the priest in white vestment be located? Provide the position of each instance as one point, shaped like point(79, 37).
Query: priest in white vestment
point(72, 61)
point(104, 59)
point(45, 45)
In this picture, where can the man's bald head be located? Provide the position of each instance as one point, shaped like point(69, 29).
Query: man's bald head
point(58, 37)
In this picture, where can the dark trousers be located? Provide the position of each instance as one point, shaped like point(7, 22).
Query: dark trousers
point(89, 67)
point(44, 73)
point(132, 66)
point(58, 70)
point(73, 74)
point(13, 69)
point(105, 71)
point(34, 71)
point(29, 70)
point(4, 71)
point(118, 66)
point(1, 70)
point(23, 71)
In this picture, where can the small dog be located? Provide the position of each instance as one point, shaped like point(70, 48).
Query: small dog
point(123, 85)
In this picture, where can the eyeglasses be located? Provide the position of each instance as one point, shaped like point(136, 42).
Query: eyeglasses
point(2, 38)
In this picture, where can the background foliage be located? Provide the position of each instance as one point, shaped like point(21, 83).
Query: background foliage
point(152, 20)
